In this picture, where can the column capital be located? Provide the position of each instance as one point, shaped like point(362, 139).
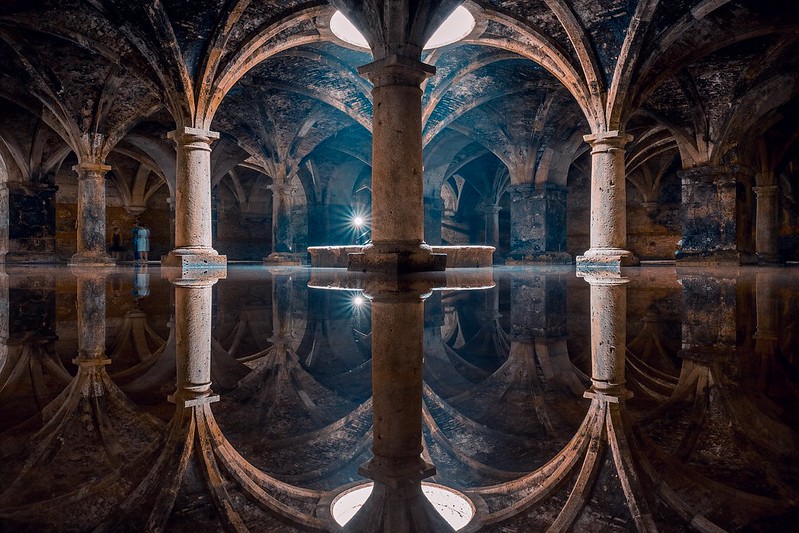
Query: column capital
point(396, 70)
point(186, 135)
point(86, 170)
point(765, 191)
point(605, 141)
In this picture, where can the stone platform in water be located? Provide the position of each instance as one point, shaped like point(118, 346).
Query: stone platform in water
point(457, 256)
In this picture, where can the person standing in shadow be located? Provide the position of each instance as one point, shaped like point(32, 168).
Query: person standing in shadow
point(134, 240)
point(116, 245)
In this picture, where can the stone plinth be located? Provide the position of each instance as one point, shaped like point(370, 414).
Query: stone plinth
point(287, 259)
point(456, 256)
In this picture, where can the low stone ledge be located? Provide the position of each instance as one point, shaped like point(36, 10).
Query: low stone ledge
point(457, 256)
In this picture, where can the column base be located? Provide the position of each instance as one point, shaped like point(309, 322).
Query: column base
point(612, 258)
point(400, 259)
point(769, 259)
point(190, 259)
point(539, 258)
point(285, 259)
point(719, 258)
point(84, 259)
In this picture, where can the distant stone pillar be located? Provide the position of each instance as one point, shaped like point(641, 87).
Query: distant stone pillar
point(433, 211)
point(538, 224)
point(193, 298)
point(608, 202)
point(608, 334)
point(193, 236)
point(491, 213)
point(4, 315)
point(766, 233)
point(4, 212)
point(397, 186)
point(710, 217)
point(91, 216)
point(282, 243)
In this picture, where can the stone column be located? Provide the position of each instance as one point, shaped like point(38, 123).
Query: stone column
point(710, 217)
point(282, 239)
point(608, 335)
point(491, 213)
point(397, 205)
point(193, 247)
point(91, 216)
point(397, 468)
point(766, 231)
point(538, 224)
point(433, 211)
point(4, 316)
point(608, 202)
point(193, 299)
point(4, 211)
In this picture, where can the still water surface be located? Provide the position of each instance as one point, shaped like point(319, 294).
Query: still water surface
point(129, 401)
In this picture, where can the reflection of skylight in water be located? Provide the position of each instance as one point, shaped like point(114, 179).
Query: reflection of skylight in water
point(457, 26)
point(346, 30)
point(455, 508)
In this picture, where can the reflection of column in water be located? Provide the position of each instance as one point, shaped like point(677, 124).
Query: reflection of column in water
point(397, 468)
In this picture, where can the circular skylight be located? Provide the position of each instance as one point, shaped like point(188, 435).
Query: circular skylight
point(346, 30)
point(457, 26)
point(454, 507)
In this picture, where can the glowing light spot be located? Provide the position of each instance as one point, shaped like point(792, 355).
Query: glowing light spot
point(454, 28)
point(358, 301)
point(457, 26)
point(455, 508)
point(358, 222)
point(346, 30)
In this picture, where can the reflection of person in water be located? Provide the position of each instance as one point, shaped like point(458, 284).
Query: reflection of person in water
point(141, 281)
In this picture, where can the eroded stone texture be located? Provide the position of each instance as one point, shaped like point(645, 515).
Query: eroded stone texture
point(709, 316)
point(608, 203)
point(710, 213)
point(538, 224)
point(91, 216)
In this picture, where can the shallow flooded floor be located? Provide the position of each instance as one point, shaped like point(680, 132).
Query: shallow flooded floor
point(662, 398)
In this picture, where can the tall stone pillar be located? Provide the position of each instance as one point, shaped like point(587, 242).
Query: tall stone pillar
point(397, 468)
point(397, 205)
point(538, 224)
point(91, 216)
point(193, 299)
point(710, 217)
point(766, 232)
point(608, 203)
point(283, 252)
point(193, 246)
point(433, 211)
point(4, 211)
